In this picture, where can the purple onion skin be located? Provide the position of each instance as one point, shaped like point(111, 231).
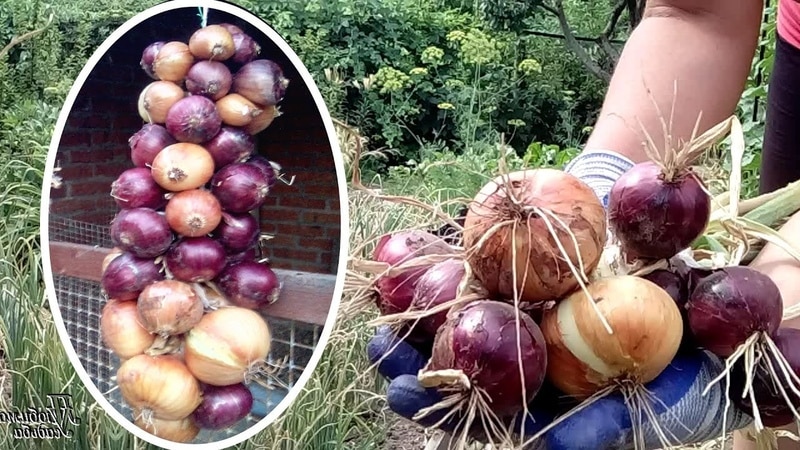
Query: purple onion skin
point(438, 285)
point(193, 119)
point(655, 219)
point(260, 81)
point(149, 56)
point(232, 29)
point(223, 406)
point(731, 304)
point(239, 187)
point(247, 49)
point(481, 340)
point(141, 231)
point(230, 145)
point(237, 232)
point(249, 284)
point(127, 275)
point(195, 259)
point(211, 79)
point(270, 169)
point(136, 188)
point(677, 286)
point(247, 255)
point(769, 400)
point(147, 142)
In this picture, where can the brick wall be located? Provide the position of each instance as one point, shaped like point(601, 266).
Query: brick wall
point(304, 217)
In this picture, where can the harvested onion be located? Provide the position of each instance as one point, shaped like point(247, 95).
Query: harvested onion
point(195, 259)
point(159, 387)
point(169, 307)
point(141, 231)
point(193, 119)
point(222, 348)
point(126, 276)
point(584, 357)
point(157, 98)
point(121, 331)
point(237, 111)
point(182, 166)
point(263, 120)
point(147, 142)
point(195, 212)
point(261, 81)
point(209, 78)
point(510, 226)
point(212, 42)
point(149, 56)
point(223, 406)
point(173, 61)
point(183, 430)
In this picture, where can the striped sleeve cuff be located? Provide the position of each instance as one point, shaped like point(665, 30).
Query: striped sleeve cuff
point(599, 169)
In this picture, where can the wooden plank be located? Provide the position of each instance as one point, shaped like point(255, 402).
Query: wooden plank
point(305, 297)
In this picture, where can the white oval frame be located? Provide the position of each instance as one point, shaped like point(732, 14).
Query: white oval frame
point(45, 219)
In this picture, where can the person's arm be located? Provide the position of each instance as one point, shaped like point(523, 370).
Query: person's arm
point(707, 46)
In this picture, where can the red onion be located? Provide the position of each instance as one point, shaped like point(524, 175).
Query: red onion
point(731, 304)
point(261, 81)
point(437, 285)
point(239, 187)
point(655, 216)
point(230, 145)
point(249, 284)
point(195, 259)
point(271, 170)
point(223, 406)
point(193, 119)
point(127, 275)
point(146, 143)
point(135, 188)
point(246, 47)
point(141, 231)
point(149, 57)
point(395, 293)
point(246, 255)
point(237, 232)
point(209, 78)
point(232, 29)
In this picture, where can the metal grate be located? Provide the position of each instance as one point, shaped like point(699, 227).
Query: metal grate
point(81, 302)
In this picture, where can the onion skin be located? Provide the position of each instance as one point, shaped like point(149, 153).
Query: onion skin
point(677, 286)
point(184, 430)
point(437, 285)
point(654, 218)
point(480, 339)
point(146, 143)
point(135, 188)
point(240, 187)
point(121, 331)
point(729, 305)
point(126, 276)
point(192, 213)
point(156, 99)
point(169, 308)
point(770, 402)
point(142, 232)
point(261, 81)
point(182, 166)
point(195, 259)
point(193, 119)
point(585, 358)
point(232, 29)
point(249, 284)
point(173, 61)
point(542, 272)
point(160, 384)
point(271, 169)
point(237, 232)
point(223, 406)
point(149, 56)
point(230, 145)
point(116, 251)
point(263, 120)
point(237, 111)
point(395, 293)
point(246, 48)
point(212, 42)
point(219, 357)
point(212, 79)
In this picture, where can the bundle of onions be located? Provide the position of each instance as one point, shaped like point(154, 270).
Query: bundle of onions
point(173, 61)
point(212, 42)
point(157, 98)
point(491, 358)
point(261, 81)
point(135, 188)
point(158, 387)
point(182, 166)
point(169, 307)
point(121, 331)
point(126, 276)
point(584, 360)
point(195, 212)
point(537, 233)
point(249, 284)
point(146, 143)
point(142, 232)
point(223, 406)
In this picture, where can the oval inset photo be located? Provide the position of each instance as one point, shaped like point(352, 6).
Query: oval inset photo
point(194, 230)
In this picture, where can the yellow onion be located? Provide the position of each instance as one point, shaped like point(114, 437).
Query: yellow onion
point(169, 307)
point(173, 61)
point(156, 99)
point(237, 111)
point(182, 166)
point(510, 225)
point(263, 120)
point(584, 358)
point(183, 430)
point(212, 42)
point(223, 347)
point(121, 330)
point(159, 387)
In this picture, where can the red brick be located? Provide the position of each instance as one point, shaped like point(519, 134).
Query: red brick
point(100, 137)
point(326, 258)
point(316, 217)
point(333, 205)
point(91, 156)
point(73, 205)
point(273, 214)
point(112, 169)
point(269, 227)
point(302, 255)
point(75, 171)
point(302, 202)
point(90, 188)
point(75, 138)
point(317, 243)
point(324, 190)
point(300, 230)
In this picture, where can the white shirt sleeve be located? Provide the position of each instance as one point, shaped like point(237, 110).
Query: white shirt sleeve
point(599, 169)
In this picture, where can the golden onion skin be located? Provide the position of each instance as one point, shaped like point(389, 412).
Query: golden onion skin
point(542, 272)
point(584, 357)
